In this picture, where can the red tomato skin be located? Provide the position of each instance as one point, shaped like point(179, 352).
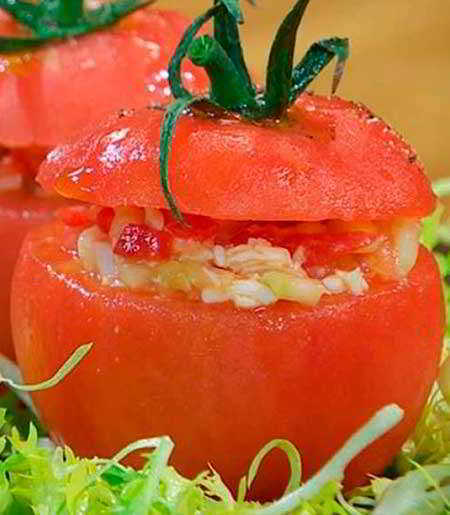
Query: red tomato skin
point(223, 381)
point(331, 159)
point(29, 158)
point(19, 212)
point(48, 94)
point(8, 26)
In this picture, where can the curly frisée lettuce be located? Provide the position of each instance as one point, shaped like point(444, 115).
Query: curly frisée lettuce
point(37, 477)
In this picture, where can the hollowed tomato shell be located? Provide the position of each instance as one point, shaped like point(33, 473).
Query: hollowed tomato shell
point(223, 381)
point(48, 94)
point(329, 158)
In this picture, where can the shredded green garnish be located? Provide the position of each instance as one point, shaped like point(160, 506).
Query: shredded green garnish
point(37, 477)
point(60, 374)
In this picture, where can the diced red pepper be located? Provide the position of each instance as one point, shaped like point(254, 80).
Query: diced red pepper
point(139, 241)
point(320, 248)
point(104, 218)
point(324, 248)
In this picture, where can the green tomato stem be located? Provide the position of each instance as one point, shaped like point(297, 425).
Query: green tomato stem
point(59, 19)
point(173, 112)
point(231, 86)
point(316, 58)
point(226, 33)
point(69, 12)
point(175, 81)
point(279, 69)
point(227, 85)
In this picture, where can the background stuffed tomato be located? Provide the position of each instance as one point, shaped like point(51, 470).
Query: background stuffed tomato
point(19, 212)
point(21, 209)
point(48, 94)
point(223, 381)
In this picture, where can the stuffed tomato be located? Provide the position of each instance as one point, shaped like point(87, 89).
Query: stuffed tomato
point(47, 94)
point(235, 330)
point(284, 294)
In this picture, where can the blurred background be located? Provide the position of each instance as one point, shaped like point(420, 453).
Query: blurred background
point(399, 64)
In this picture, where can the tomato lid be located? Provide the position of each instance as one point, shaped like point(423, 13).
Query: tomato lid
point(47, 93)
point(328, 159)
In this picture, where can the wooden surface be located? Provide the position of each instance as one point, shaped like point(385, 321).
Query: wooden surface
point(399, 67)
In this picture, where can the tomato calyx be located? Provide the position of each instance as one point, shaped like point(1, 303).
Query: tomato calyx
point(61, 19)
point(231, 88)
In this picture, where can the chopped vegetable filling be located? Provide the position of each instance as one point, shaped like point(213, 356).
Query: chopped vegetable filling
point(251, 263)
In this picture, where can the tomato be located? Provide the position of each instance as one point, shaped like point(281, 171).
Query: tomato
point(325, 162)
point(19, 212)
point(223, 381)
point(46, 95)
point(9, 26)
point(249, 375)
point(222, 378)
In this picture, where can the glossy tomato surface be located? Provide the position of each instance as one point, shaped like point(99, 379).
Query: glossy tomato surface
point(48, 94)
point(223, 381)
point(328, 159)
point(19, 212)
